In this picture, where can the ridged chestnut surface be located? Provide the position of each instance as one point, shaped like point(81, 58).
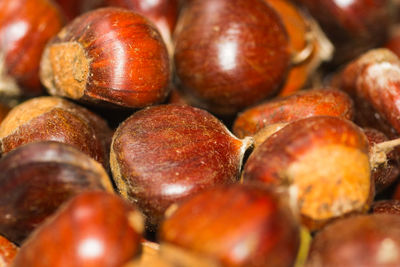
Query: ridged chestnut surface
point(367, 240)
point(25, 28)
point(324, 159)
point(108, 55)
point(56, 119)
point(165, 153)
point(37, 178)
point(239, 225)
point(353, 26)
point(229, 61)
point(163, 13)
point(301, 105)
point(93, 229)
point(388, 206)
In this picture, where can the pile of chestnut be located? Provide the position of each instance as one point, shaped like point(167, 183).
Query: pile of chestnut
point(190, 133)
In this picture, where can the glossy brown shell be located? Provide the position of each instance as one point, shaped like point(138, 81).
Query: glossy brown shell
point(37, 178)
point(316, 102)
point(93, 229)
point(230, 54)
point(109, 55)
point(25, 28)
point(240, 225)
point(163, 154)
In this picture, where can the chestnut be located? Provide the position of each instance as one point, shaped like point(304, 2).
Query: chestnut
point(25, 28)
point(364, 240)
point(92, 229)
point(321, 101)
point(163, 13)
point(162, 154)
point(7, 251)
point(108, 56)
point(324, 159)
point(232, 60)
point(236, 225)
point(56, 119)
point(372, 80)
point(37, 178)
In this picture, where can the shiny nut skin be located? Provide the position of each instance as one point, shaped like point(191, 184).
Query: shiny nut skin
point(239, 225)
point(56, 119)
point(229, 61)
point(162, 154)
point(93, 229)
point(324, 159)
point(316, 102)
point(25, 28)
point(163, 13)
point(365, 240)
point(108, 56)
point(37, 178)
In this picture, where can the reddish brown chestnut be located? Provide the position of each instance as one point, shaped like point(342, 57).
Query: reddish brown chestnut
point(25, 28)
point(163, 154)
point(238, 225)
point(56, 119)
point(301, 105)
point(37, 178)
point(227, 62)
point(324, 160)
point(7, 251)
point(365, 240)
point(93, 229)
point(109, 55)
point(373, 80)
point(163, 13)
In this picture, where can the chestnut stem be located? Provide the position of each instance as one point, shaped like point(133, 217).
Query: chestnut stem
point(378, 154)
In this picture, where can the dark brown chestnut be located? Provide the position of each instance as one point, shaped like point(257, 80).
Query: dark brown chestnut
point(237, 225)
point(163, 154)
point(37, 178)
point(56, 119)
point(232, 60)
point(316, 102)
point(109, 56)
point(25, 28)
point(324, 160)
point(93, 229)
point(364, 240)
